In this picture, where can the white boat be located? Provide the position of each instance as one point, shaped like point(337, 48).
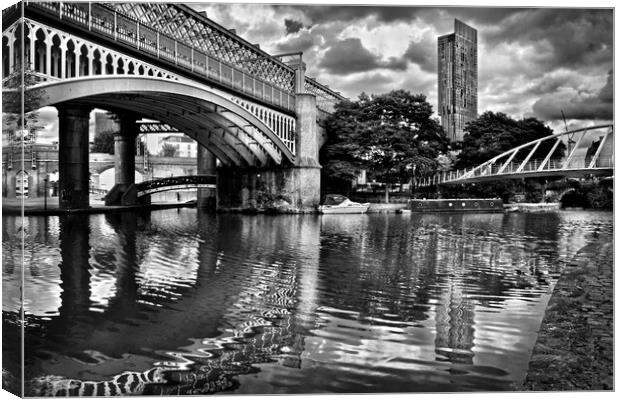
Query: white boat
point(336, 203)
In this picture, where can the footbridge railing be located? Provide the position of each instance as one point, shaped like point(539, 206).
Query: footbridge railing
point(589, 151)
point(175, 183)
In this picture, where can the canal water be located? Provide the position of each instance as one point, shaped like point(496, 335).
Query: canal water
point(285, 304)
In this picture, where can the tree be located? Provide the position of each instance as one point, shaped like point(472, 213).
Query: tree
point(104, 142)
point(392, 135)
point(494, 133)
point(168, 150)
point(14, 91)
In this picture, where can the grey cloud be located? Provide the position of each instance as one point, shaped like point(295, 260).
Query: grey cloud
point(292, 26)
point(370, 83)
point(394, 63)
point(349, 55)
point(576, 37)
point(607, 92)
point(320, 14)
point(301, 42)
point(423, 53)
point(598, 106)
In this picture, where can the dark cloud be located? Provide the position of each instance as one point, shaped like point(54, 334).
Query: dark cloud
point(349, 56)
point(423, 53)
point(570, 37)
point(303, 41)
point(607, 92)
point(322, 14)
point(478, 15)
point(372, 83)
point(581, 106)
point(292, 26)
point(394, 63)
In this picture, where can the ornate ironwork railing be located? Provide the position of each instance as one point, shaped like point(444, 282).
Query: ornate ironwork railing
point(176, 182)
point(121, 28)
point(326, 99)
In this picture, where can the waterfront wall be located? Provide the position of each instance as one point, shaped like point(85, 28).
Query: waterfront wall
point(457, 205)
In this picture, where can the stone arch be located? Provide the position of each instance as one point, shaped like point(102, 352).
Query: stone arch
point(120, 66)
point(83, 60)
point(56, 57)
point(5, 57)
point(141, 70)
point(97, 69)
point(40, 52)
point(70, 59)
point(166, 100)
point(17, 45)
point(109, 65)
point(22, 183)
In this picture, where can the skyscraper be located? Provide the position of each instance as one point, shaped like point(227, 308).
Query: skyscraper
point(457, 75)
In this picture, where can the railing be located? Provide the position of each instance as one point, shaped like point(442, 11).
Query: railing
point(514, 168)
point(151, 186)
point(120, 28)
point(325, 98)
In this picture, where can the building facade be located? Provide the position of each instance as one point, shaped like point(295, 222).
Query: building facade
point(457, 76)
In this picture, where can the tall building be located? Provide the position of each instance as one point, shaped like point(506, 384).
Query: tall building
point(457, 75)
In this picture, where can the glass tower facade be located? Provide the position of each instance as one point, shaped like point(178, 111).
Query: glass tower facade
point(457, 75)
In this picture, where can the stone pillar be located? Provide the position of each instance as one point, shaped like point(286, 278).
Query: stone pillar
point(306, 174)
point(124, 192)
point(285, 188)
point(34, 188)
point(11, 183)
point(73, 156)
point(300, 77)
point(125, 152)
point(206, 166)
point(307, 132)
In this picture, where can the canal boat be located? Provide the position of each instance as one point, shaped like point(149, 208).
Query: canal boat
point(336, 203)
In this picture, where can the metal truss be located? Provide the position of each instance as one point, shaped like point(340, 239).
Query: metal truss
point(196, 30)
point(156, 127)
point(175, 183)
point(591, 154)
point(326, 99)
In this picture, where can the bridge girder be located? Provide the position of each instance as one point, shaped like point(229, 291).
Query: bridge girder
point(166, 94)
point(502, 166)
point(194, 125)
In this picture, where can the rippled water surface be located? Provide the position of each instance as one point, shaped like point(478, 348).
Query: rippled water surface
point(288, 304)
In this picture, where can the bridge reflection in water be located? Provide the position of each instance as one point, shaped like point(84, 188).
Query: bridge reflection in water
point(305, 303)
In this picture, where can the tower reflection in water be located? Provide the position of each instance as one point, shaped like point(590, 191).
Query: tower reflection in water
point(310, 304)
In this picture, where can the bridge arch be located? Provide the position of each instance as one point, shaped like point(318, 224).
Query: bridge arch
point(578, 162)
point(229, 130)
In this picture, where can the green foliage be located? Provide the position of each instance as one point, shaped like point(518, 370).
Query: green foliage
point(386, 135)
point(494, 133)
point(168, 150)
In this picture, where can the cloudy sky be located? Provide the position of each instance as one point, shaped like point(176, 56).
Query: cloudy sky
point(531, 61)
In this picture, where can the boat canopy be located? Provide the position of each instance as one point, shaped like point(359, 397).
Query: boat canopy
point(334, 199)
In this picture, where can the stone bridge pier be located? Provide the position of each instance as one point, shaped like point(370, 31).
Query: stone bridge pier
point(284, 188)
point(124, 190)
